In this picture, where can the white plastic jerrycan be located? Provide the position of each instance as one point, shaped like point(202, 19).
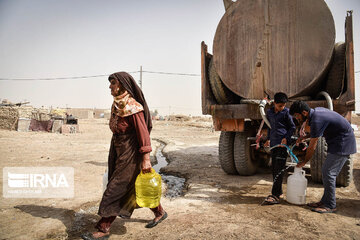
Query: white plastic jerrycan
point(296, 187)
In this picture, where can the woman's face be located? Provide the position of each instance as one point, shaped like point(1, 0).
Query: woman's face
point(115, 87)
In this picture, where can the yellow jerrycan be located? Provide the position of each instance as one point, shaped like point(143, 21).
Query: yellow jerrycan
point(148, 189)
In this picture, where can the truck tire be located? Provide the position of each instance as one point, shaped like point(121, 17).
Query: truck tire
point(345, 176)
point(226, 152)
point(336, 77)
point(221, 93)
point(317, 160)
point(244, 160)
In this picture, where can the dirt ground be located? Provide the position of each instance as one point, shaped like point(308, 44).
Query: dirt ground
point(214, 205)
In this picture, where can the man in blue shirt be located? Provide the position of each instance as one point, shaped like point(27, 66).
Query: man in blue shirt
point(341, 142)
point(282, 128)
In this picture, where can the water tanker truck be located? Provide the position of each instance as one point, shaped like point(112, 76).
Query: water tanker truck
point(266, 46)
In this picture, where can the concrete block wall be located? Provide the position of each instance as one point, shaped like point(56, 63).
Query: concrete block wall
point(23, 124)
point(97, 112)
point(70, 128)
point(81, 113)
point(57, 126)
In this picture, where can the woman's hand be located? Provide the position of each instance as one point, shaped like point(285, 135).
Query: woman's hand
point(146, 164)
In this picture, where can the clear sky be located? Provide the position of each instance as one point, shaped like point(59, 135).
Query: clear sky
point(52, 38)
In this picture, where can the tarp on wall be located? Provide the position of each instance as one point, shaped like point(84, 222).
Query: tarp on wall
point(44, 126)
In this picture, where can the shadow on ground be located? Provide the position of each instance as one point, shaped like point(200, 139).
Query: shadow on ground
point(102, 164)
point(76, 223)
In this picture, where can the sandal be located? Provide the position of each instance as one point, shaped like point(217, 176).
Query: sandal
point(315, 204)
point(95, 236)
point(271, 200)
point(153, 223)
point(324, 210)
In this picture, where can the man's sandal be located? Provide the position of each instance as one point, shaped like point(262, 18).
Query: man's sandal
point(315, 204)
point(324, 210)
point(271, 200)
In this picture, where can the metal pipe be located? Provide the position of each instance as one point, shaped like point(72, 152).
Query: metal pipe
point(262, 112)
point(251, 101)
point(328, 99)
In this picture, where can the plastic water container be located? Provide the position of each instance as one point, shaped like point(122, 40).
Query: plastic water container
point(148, 189)
point(296, 187)
point(105, 180)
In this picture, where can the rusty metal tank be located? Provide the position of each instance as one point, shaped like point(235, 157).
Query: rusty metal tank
point(274, 45)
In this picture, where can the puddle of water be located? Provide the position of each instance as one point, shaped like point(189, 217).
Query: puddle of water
point(161, 160)
point(174, 184)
